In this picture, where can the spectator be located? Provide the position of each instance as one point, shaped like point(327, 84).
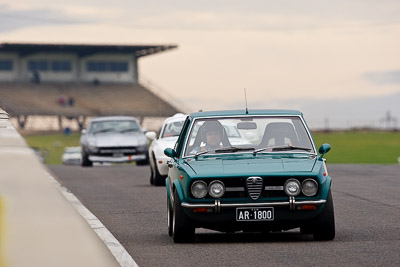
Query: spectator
point(36, 77)
point(61, 100)
point(67, 130)
point(71, 101)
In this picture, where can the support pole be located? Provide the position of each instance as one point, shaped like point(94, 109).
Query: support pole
point(81, 122)
point(60, 126)
point(22, 120)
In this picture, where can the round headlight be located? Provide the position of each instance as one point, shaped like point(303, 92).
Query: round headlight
point(309, 187)
point(216, 189)
point(199, 189)
point(292, 187)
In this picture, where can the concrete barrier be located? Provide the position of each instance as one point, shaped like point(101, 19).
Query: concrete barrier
point(38, 226)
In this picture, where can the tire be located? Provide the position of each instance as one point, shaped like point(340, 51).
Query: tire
point(143, 162)
point(85, 161)
point(324, 228)
point(169, 216)
point(151, 176)
point(307, 229)
point(182, 228)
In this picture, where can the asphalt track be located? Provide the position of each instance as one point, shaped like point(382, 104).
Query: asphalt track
point(367, 210)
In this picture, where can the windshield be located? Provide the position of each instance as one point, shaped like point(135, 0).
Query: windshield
point(120, 126)
point(172, 129)
point(248, 134)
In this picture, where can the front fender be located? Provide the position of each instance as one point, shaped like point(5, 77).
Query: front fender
point(168, 188)
point(174, 186)
point(325, 187)
point(169, 194)
point(178, 187)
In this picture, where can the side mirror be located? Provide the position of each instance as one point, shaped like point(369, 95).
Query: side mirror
point(84, 131)
point(323, 149)
point(151, 135)
point(169, 152)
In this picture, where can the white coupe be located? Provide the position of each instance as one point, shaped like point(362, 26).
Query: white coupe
point(168, 136)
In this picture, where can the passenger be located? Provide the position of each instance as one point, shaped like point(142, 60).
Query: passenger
point(173, 129)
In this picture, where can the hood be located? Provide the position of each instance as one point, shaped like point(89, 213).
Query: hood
point(120, 139)
point(251, 166)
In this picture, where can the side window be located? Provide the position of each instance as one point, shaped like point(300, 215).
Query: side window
point(179, 143)
point(6, 65)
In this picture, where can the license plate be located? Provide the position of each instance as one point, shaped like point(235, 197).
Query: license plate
point(118, 155)
point(254, 214)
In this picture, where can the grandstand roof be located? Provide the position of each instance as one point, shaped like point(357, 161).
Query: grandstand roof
point(84, 49)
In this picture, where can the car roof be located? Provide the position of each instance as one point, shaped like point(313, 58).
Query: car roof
point(114, 118)
point(176, 117)
point(242, 112)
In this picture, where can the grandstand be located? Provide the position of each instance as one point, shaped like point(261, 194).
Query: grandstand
point(77, 81)
point(22, 100)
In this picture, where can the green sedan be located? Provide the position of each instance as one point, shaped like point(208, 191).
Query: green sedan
point(268, 177)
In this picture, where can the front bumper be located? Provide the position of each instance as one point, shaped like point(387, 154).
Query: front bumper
point(72, 161)
point(117, 159)
point(217, 206)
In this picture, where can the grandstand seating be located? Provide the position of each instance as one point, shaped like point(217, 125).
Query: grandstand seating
point(89, 100)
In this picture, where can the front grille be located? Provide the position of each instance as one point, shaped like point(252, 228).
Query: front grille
point(110, 151)
point(264, 187)
point(254, 187)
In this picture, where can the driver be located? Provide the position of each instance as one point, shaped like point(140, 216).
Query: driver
point(211, 135)
point(174, 129)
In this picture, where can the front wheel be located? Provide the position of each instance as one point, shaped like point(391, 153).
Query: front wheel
point(86, 162)
point(142, 162)
point(157, 177)
point(151, 175)
point(182, 228)
point(169, 216)
point(324, 228)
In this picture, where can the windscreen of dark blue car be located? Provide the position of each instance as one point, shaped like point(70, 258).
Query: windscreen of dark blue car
point(260, 134)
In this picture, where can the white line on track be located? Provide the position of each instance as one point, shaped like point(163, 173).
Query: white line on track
point(118, 251)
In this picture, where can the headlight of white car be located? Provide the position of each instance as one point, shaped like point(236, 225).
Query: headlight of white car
point(142, 148)
point(92, 145)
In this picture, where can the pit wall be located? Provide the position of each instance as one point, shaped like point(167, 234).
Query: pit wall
point(38, 226)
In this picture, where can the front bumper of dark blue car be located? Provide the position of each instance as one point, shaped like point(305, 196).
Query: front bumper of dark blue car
point(217, 206)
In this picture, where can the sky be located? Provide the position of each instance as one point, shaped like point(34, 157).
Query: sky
point(337, 61)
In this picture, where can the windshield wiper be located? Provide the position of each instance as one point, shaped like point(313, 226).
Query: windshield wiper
point(288, 147)
point(104, 130)
point(203, 152)
point(129, 130)
point(233, 149)
point(282, 148)
point(224, 150)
